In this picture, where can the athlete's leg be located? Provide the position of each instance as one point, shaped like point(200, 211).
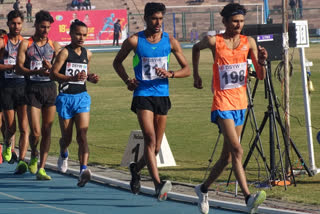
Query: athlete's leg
point(146, 120)
point(34, 115)
point(82, 124)
point(48, 114)
point(3, 126)
point(24, 130)
point(159, 125)
point(219, 166)
point(231, 135)
point(66, 126)
point(10, 124)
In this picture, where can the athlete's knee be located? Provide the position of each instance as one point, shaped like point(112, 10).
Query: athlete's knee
point(82, 136)
point(11, 130)
point(34, 137)
point(226, 158)
point(237, 152)
point(149, 139)
point(46, 129)
point(66, 140)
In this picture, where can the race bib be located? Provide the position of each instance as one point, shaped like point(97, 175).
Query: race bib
point(149, 65)
point(72, 69)
point(232, 76)
point(37, 65)
point(11, 73)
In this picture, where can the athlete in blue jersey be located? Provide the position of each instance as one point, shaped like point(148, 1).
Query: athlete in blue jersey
point(151, 101)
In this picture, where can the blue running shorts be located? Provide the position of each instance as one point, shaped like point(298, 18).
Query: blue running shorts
point(236, 115)
point(68, 105)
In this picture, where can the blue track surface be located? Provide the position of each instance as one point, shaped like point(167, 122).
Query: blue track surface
point(24, 194)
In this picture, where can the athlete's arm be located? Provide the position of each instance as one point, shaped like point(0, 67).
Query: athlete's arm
point(127, 46)
point(93, 78)
point(57, 65)
point(4, 67)
point(57, 48)
point(258, 56)
point(185, 69)
point(21, 59)
point(206, 42)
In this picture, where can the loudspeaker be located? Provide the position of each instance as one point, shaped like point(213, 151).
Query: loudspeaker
point(269, 36)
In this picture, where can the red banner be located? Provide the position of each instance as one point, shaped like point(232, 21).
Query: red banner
point(100, 25)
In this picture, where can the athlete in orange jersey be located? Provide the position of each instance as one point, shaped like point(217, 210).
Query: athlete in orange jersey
point(230, 51)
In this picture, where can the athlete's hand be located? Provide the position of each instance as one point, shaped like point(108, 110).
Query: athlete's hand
point(163, 73)
point(197, 82)
point(132, 84)
point(43, 72)
point(262, 54)
point(46, 64)
point(93, 78)
point(81, 76)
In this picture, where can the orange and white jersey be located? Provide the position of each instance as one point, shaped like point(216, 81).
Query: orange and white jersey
point(230, 75)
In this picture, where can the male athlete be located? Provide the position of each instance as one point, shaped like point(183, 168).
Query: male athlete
point(13, 92)
point(230, 51)
point(151, 101)
point(71, 70)
point(35, 58)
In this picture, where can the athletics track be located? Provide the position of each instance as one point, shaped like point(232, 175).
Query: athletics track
point(24, 194)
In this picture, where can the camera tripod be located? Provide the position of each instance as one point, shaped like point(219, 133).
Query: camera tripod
point(274, 118)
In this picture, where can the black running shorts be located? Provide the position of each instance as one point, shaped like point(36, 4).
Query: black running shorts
point(158, 105)
point(13, 97)
point(41, 95)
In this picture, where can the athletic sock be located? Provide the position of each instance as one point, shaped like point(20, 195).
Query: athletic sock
point(64, 154)
point(82, 167)
point(203, 189)
point(247, 198)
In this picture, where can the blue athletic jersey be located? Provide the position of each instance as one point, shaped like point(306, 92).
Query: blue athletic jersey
point(147, 57)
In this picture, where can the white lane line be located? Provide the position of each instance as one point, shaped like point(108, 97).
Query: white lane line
point(42, 205)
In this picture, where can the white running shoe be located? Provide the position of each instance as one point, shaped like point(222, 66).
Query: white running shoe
point(162, 192)
point(84, 177)
point(62, 164)
point(203, 202)
point(255, 200)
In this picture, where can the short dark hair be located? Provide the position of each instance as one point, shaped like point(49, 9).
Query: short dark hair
point(15, 14)
point(233, 9)
point(43, 15)
point(3, 32)
point(154, 7)
point(75, 24)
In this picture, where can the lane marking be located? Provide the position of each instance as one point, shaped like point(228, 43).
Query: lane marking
point(42, 205)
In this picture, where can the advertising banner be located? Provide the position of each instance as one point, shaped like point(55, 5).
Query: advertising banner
point(100, 25)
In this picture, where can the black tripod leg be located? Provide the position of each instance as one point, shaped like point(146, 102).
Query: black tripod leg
point(303, 163)
point(255, 140)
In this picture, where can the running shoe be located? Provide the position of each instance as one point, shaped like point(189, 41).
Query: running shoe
point(162, 192)
point(14, 157)
point(42, 175)
point(33, 165)
point(135, 178)
point(6, 153)
point(84, 177)
point(62, 164)
point(203, 201)
point(21, 168)
point(255, 200)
